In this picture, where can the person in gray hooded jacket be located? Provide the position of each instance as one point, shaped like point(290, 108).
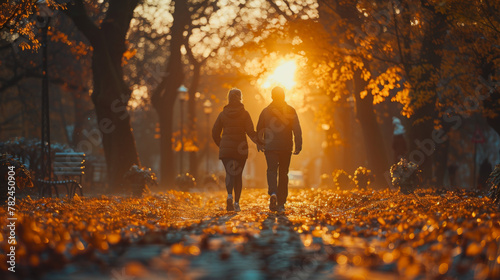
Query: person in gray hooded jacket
point(235, 123)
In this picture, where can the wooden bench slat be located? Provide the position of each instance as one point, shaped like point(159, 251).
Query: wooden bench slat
point(66, 171)
point(69, 154)
point(69, 160)
point(57, 182)
point(70, 173)
point(67, 164)
point(59, 169)
point(70, 167)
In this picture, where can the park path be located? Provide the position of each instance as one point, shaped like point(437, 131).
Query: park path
point(323, 235)
point(252, 244)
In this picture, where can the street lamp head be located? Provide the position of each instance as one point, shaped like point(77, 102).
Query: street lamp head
point(325, 126)
point(207, 106)
point(351, 101)
point(43, 9)
point(183, 93)
point(182, 88)
point(44, 14)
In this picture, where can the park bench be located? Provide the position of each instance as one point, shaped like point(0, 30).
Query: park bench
point(69, 169)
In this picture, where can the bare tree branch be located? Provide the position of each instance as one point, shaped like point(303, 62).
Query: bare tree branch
point(279, 11)
point(78, 13)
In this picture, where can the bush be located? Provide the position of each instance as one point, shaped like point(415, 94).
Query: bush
point(140, 179)
point(211, 183)
point(22, 176)
point(494, 184)
point(28, 151)
point(325, 181)
point(342, 180)
point(363, 177)
point(185, 182)
point(406, 176)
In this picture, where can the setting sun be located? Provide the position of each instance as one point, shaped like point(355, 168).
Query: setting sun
point(283, 75)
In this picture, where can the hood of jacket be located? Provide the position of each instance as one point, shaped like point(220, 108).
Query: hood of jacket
point(233, 109)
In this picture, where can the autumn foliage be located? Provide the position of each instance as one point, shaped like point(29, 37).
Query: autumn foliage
point(449, 234)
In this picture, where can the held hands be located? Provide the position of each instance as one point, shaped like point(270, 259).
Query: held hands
point(261, 148)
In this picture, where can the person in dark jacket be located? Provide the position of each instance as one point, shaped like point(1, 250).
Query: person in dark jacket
point(277, 128)
point(235, 124)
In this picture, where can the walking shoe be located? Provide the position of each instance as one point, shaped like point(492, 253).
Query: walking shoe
point(237, 207)
point(272, 202)
point(229, 206)
point(281, 209)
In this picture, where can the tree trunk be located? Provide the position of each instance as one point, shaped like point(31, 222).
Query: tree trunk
point(191, 132)
point(62, 117)
point(165, 109)
point(492, 102)
point(164, 96)
point(424, 92)
point(374, 142)
point(192, 120)
point(110, 93)
point(80, 116)
point(167, 164)
point(347, 128)
point(421, 147)
point(372, 136)
point(110, 97)
point(441, 162)
point(376, 153)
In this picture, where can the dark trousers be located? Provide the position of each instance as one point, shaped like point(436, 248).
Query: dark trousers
point(278, 163)
point(234, 180)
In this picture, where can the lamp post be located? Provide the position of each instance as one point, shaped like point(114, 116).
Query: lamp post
point(325, 127)
point(43, 20)
point(183, 96)
point(207, 109)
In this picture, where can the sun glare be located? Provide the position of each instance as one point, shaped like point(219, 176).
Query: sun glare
point(283, 75)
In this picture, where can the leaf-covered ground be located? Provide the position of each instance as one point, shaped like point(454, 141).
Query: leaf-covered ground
point(323, 235)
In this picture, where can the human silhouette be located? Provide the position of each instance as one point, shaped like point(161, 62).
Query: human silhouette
point(278, 127)
point(234, 123)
